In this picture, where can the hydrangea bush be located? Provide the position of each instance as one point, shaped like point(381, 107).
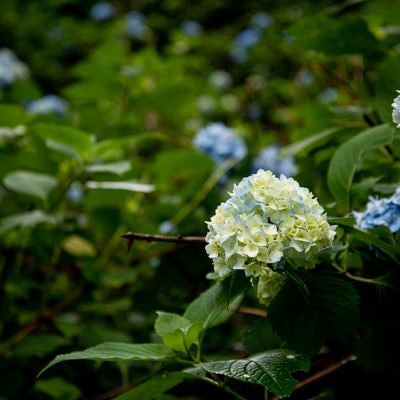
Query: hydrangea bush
point(301, 295)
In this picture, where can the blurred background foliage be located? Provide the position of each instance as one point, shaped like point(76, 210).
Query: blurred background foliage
point(118, 155)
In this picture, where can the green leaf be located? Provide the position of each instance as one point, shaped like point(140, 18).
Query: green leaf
point(12, 115)
point(345, 161)
point(261, 337)
point(338, 36)
point(115, 352)
point(70, 141)
point(121, 185)
point(118, 167)
point(39, 345)
point(28, 219)
point(177, 332)
point(213, 307)
point(330, 311)
point(58, 388)
point(307, 143)
point(31, 183)
point(271, 369)
point(155, 386)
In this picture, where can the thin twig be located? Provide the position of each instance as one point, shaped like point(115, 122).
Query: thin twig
point(163, 238)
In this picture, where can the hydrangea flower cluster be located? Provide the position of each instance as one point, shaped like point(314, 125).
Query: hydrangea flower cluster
point(384, 211)
point(266, 223)
point(268, 159)
point(102, 11)
point(48, 104)
point(11, 68)
point(135, 25)
point(192, 28)
point(220, 142)
point(396, 110)
point(250, 36)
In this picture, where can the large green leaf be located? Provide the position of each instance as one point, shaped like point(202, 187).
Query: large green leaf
point(213, 307)
point(67, 140)
point(115, 352)
point(155, 386)
point(334, 36)
point(57, 388)
point(347, 157)
point(272, 369)
point(31, 183)
point(329, 311)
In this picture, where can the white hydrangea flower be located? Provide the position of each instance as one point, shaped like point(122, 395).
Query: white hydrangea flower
point(396, 110)
point(266, 222)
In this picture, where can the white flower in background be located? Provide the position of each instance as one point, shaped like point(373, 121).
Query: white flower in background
point(49, 104)
point(267, 222)
point(268, 159)
point(11, 68)
point(220, 80)
point(396, 110)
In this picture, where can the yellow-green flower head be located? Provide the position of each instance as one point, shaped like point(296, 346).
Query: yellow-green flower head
point(266, 222)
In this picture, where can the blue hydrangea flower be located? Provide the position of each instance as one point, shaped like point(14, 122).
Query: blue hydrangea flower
point(11, 68)
point(49, 104)
point(135, 24)
point(268, 159)
point(261, 20)
point(384, 211)
point(396, 110)
point(220, 142)
point(102, 11)
point(191, 28)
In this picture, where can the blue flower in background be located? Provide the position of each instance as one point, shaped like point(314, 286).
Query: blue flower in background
point(268, 159)
point(48, 104)
point(384, 211)
point(220, 142)
point(191, 28)
point(135, 24)
point(11, 68)
point(248, 37)
point(261, 20)
point(102, 11)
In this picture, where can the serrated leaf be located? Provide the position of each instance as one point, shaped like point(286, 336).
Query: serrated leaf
point(330, 311)
point(272, 369)
point(261, 337)
point(345, 161)
point(31, 183)
point(213, 307)
point(115, 352)
point(68, 140)
point(155, 386)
